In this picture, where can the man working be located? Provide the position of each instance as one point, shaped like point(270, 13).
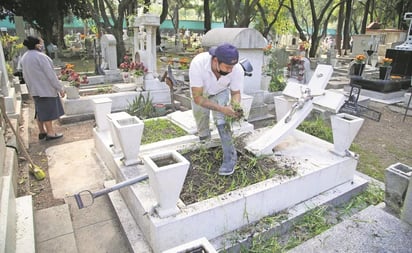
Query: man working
point(216, 76)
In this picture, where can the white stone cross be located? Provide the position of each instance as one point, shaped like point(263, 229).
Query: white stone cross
point(306, 96)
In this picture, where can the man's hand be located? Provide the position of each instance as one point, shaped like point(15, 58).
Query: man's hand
point(228, 111)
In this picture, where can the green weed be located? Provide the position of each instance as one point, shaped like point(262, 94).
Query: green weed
point(160, 129)
point(318, 128)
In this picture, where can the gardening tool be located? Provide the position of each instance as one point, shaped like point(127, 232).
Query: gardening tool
point(93, 195)
point(36, 170)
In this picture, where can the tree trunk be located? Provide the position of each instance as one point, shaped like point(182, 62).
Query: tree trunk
point(208, 19)
point(60, 33)
point(365, 17)
point(339, 29)
point(163, 15)
point(346, 27)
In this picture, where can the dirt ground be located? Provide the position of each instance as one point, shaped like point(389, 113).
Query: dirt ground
point(384, 143)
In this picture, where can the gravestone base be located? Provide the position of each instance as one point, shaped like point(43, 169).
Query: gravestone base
point(397, 178)
point(259, 112)
point(96, 79)
point(82, 108)
point(406, 99)
point(10, 102)
point(318, 171)
point(386, 98)
point(112, 75)
point(124, 87)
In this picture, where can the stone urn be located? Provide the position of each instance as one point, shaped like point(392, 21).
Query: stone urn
point(385, 72)
point(129, 132)
point(72, 92)
point(357, 69)
point(126, 77)
point(167, 172)
point(345, 127)
point(139, 80)
point(111, 117)
point(102, 107)
point(265, 83)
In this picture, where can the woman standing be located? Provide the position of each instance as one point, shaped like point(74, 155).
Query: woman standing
point(44, 87)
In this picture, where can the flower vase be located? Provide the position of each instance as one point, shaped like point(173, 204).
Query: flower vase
point(126, 77)
point(72, 92)
point(265, 82)
point(266, 59)
point(385, 72)
point(139, 80)
point(357, 69)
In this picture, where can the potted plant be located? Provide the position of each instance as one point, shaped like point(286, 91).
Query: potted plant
point(296, 68)
point(385, 69)
point(139, 70)
point(125, 68)
point(72, 81)
point(358, 65)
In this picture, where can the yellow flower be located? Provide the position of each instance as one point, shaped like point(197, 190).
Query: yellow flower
point(304, 45)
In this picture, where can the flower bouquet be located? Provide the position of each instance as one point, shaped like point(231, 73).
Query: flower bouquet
point(385, 69)
point(360, 59)
point(125, 65)
point(357, 65)
point(296, 68)
point(69, 74)
point(386, 62)
point(138, 68)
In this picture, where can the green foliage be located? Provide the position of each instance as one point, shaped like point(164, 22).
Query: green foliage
point(160, 129)
point(274, 69)
point(318, 128)
point(312, 223)
point(141, 107)
point(11, 47)
point(369, 163)
point(277, 83)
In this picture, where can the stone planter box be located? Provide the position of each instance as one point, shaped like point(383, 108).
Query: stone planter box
point(397, 178)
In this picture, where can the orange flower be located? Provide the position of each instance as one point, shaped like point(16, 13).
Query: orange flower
point(360, 58)
point(184, 60)
point(69, 66)
point(267, 50)
point(386, 62)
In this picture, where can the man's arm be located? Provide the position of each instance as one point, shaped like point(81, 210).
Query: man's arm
point(199, 99)
point(235, 97)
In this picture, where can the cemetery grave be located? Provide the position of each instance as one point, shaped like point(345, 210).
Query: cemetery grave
point(304, 159)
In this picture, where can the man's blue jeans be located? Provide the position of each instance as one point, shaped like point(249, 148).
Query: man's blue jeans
point(202, 115)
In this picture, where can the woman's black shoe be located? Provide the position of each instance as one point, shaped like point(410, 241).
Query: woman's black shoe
point(56, 136)
point(42, 136)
